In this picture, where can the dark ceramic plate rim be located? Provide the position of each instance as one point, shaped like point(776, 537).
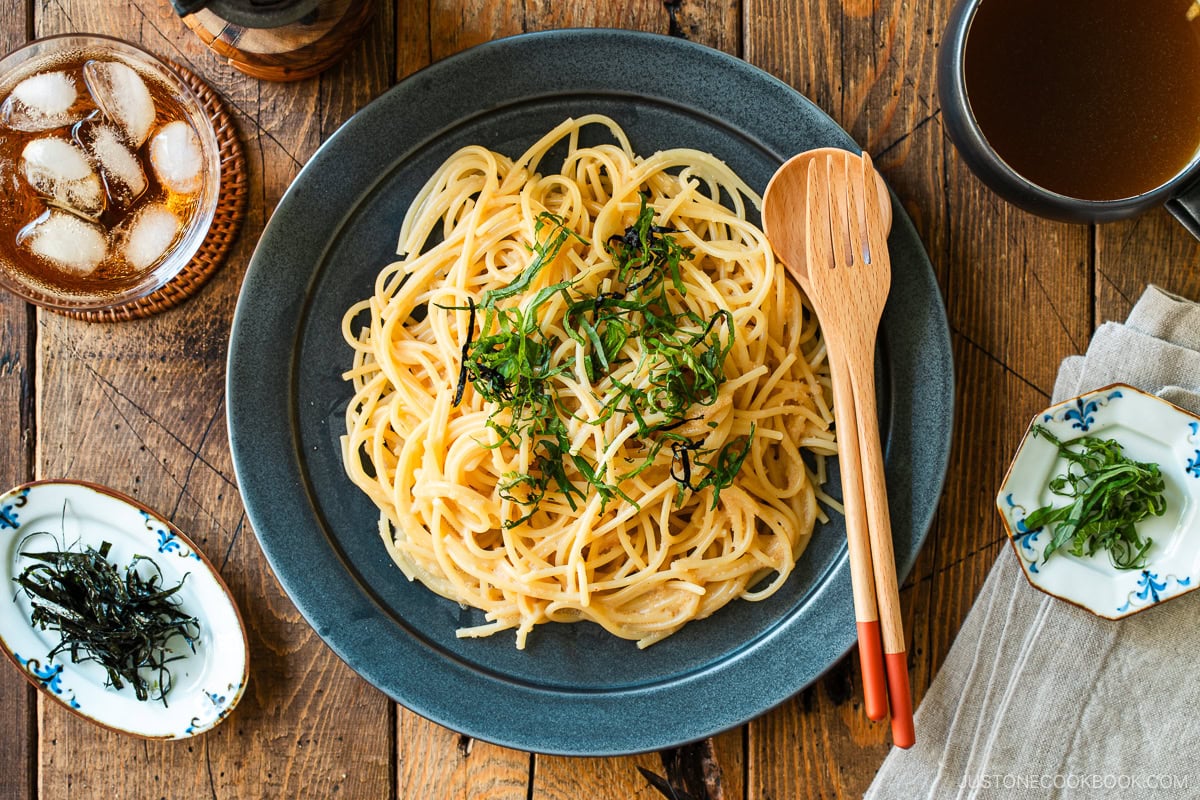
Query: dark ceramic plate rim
point(270, 463)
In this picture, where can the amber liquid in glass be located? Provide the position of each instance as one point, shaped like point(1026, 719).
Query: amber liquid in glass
point(1092, 99)
point(20, 204)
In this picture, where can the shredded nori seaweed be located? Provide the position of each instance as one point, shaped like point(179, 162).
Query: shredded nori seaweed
point(121, 620)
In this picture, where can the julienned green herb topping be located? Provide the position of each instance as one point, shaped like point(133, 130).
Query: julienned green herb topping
point(117, 618)
point(1109, 495)
point(511, 361)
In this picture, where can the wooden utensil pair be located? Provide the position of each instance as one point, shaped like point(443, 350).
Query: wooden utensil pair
point(827, 214)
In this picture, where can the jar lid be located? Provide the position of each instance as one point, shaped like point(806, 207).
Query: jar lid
point(252, 13)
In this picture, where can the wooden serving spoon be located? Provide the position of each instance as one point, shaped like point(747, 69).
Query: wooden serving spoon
point(785, 214)
point(850, 276)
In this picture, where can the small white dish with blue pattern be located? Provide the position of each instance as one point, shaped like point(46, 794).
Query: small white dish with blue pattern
point(1149, 429)
point(206, 683)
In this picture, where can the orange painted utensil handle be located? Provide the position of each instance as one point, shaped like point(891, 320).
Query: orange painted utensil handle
point(858, 545)
point(870, 653)
point(883, 560)
point(904, 735)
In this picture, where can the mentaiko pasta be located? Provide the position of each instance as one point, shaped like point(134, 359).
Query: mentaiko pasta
point(585, 391)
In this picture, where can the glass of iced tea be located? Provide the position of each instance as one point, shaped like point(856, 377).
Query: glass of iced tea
point(109, 172)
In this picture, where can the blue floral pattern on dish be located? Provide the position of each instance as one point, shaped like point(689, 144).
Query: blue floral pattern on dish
point(1151, 589)
point(90, 514)
point(1081, 413)
point(8, 511)
point(1153, 430)
point(1192, 466)
point(220, 708)
point(49, 676)
point(168, 542)
point(1024, 538)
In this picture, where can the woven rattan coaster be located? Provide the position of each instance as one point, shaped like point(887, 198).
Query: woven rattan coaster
point(231, 207)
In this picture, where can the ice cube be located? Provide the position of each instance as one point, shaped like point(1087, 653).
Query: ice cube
point(66, 241)
point(149, 235)
point(177, 158)
point(42, 102)
point(123, 97)
point(119, 168)
point(59, 171)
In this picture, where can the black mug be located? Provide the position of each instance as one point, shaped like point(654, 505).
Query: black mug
point(252, 13)
point(1180, 193)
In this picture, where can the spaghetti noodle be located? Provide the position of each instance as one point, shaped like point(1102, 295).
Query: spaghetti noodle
point(585, 393)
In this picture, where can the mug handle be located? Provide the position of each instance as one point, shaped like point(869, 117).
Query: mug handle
point(1185, 207)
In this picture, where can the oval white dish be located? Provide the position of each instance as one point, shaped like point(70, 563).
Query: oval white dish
point(206, 683)
point(1149, 429)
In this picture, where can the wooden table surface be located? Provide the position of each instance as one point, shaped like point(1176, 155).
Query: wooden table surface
point(140, 406)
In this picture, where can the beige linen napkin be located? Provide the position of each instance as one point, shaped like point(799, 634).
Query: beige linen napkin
point(1039, 699)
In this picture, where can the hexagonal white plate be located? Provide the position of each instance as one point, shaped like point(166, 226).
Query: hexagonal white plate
point(1149, 429)
point(207, 681)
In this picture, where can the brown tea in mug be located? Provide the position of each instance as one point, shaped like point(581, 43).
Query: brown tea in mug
point(1092, 99)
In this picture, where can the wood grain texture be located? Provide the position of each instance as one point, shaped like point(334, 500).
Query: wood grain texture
point(436, 762)
point(848, 59)
point(147, 399)
point(1153, 248)
point(558, 778)
point(18, 737)
point(454, 26)
point(1021, 294)
point(18, 698)
point(1018, 298)
point(411, 30)
point(714, 23)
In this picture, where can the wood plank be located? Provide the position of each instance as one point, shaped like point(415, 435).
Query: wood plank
point(558, 778)
point(455, 25)
point(1018, 296)
point(366, 72)
point(432, 762)
point(18, 743)
point(18, 738)
point(148, 396)
point(867, 65)
point(1017, 292)
point(970, 536)
point(411, 31)
point(1152, 248)
point(819, 744)
point(715, 23)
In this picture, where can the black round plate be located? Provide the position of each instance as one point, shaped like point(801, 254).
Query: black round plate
point(575, 690)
